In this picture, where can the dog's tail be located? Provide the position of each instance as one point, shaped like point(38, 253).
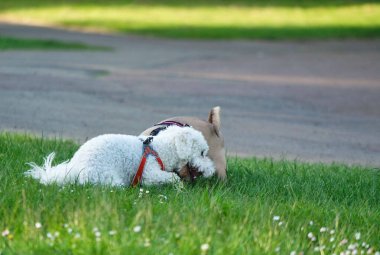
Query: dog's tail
point(47, 173)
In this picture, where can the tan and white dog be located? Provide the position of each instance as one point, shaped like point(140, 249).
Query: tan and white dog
point(211, 130)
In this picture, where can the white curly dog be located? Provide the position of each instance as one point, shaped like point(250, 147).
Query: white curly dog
point(113, 159)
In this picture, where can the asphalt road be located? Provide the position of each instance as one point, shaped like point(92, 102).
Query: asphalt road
point(305, 100)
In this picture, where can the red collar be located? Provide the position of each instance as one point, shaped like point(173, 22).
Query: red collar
point(147, 150)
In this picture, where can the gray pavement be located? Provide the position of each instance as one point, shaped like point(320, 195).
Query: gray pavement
point(311, 101)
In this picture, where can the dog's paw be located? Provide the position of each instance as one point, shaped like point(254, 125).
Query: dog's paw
point(175, 178)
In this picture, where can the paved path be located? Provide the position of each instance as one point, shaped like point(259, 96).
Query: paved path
point(314, 101)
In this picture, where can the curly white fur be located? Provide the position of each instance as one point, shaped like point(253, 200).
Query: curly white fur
point(113, 159)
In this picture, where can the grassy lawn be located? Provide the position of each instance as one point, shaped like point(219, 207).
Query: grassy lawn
point(215, 19)
point(266, 207)
point(10, 43)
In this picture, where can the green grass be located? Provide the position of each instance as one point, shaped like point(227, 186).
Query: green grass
point(215, 19)
point(236, 217)
point(11, 43)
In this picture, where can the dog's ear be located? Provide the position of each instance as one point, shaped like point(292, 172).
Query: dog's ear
point(214, 119)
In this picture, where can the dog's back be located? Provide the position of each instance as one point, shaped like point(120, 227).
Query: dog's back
point(107, 159)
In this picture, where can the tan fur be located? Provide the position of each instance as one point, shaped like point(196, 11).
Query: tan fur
point(211, 130)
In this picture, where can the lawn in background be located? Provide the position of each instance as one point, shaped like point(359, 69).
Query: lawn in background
point(11, 43)
point(215, 19)
point(265, 207)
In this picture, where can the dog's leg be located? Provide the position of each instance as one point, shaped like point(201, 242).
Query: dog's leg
point(157, 176)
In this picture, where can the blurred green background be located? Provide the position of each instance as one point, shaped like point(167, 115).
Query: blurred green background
point(215, 19)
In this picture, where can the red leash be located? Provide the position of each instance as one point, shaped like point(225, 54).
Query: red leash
point(146, 152)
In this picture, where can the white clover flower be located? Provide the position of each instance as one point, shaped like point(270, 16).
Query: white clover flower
point(352, 247)
point(377, 253)
point(323, 229)
point(293, 253)
point(205, 247)
point(277, 249)
point(6, 232)
point(112, 232)
point(162, 198)
point(146, 242)
point(95, 229)
point(280, 223)
point(332, 239)
point(77, 236)
point(276, 218)
point(343, 242)
point(311, 236)
point(147, 191)
point(69, 230)
point(141, 192)
point(357, 235)
point(98, 234)
point(38, 225)
point(49, 235)
point(56, 234)
point(311, 223)
point(64, 225)
point(332, 231)
point(137, 229)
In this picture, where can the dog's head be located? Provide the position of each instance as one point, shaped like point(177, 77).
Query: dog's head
point(185, 146)
point(211, 130)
